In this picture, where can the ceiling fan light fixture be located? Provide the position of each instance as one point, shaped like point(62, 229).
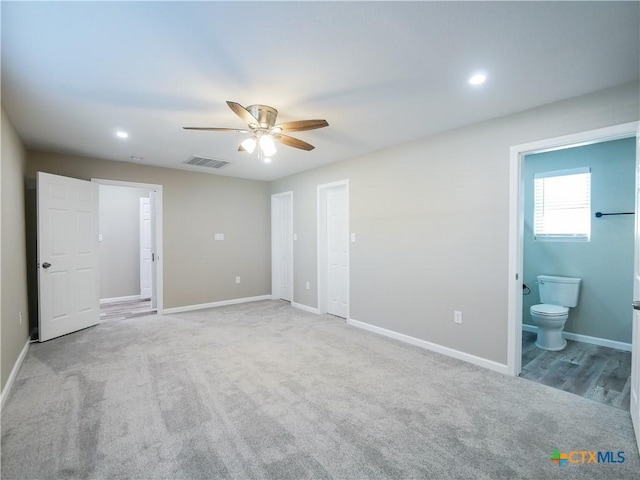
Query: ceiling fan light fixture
point(249, 144)
point(267, 145)
point(261, 120)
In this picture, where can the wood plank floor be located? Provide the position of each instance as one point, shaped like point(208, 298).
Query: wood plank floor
point(600, 373)
point(126, 309)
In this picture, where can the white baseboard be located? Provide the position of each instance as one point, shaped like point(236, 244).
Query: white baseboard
point(202, 306)
point(481, 362)
point(306, 308)
point(577, 337)
point(14, 373)
point(119, 299)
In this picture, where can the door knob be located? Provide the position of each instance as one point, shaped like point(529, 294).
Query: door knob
point(46, 265)
point(636, 305)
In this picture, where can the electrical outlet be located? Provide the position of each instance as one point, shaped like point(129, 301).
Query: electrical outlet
point(237, 279)
point(457, 317)
point(308, 286)
point(20, 318)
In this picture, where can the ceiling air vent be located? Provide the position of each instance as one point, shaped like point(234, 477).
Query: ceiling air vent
point(199, 161)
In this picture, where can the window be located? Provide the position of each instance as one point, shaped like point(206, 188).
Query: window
point(562, 205)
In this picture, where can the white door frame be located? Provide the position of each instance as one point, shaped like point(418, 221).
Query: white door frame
point(158, 292)
point(516, 221)
point(275, 229)
point(322, 245)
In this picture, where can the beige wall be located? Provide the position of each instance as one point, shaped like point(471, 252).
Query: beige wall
point(431, 223)
point(197, 269)
point(13, 285)
point(119, 227)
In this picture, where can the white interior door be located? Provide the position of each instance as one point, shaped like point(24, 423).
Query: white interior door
point(635, 342)
point(282, 246)
point(68, 289)
point(145, 248)
point(337, 252)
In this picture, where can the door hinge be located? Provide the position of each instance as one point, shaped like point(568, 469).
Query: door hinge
point(153, 257)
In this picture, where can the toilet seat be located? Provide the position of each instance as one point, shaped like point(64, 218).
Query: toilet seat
point(547, 310)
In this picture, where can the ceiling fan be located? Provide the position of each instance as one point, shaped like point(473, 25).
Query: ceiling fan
point(261, 120)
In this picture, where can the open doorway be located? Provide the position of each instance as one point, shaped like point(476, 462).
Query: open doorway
point(130, 249)
point(516, 214)
point(587, 350)
point(517, 233)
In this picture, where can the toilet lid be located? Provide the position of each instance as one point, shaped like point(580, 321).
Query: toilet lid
point(549, 310)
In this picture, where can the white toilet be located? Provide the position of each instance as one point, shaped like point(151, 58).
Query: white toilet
point(557, 294)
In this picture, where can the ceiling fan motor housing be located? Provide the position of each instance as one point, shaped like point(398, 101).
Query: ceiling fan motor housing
point(266, 115)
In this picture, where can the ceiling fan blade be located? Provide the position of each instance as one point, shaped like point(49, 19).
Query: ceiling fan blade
point(217, 129)
point(243, 113)
point(293, 142)
point(301, 125)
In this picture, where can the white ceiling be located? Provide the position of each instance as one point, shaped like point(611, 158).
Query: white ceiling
point(381, 73)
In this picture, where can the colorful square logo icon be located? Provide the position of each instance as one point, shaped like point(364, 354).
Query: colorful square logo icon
point(560, 458)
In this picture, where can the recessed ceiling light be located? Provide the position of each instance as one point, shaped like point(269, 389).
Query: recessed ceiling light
point(121, 134)
point(266, 160)
point(477, 79)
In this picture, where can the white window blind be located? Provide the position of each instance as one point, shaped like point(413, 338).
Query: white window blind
point(562, 205)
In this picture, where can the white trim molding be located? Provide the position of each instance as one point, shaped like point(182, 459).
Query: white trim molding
point(128, 298)
point(578, 337)
point(450, 352)
point(306, 308)
point(14, 373)
point(222, 303)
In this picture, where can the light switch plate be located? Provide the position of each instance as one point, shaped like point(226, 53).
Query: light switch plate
point(218, 236)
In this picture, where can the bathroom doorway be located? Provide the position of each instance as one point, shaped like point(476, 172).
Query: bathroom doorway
point(596, 361)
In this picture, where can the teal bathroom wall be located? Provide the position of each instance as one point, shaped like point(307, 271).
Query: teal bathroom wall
point(605, 263)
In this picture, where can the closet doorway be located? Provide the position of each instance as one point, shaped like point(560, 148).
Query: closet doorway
point(333, 248)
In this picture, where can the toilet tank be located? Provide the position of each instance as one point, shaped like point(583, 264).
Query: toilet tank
point(561, 291)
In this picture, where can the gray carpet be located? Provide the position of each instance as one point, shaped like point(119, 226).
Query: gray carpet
point(262, 390)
